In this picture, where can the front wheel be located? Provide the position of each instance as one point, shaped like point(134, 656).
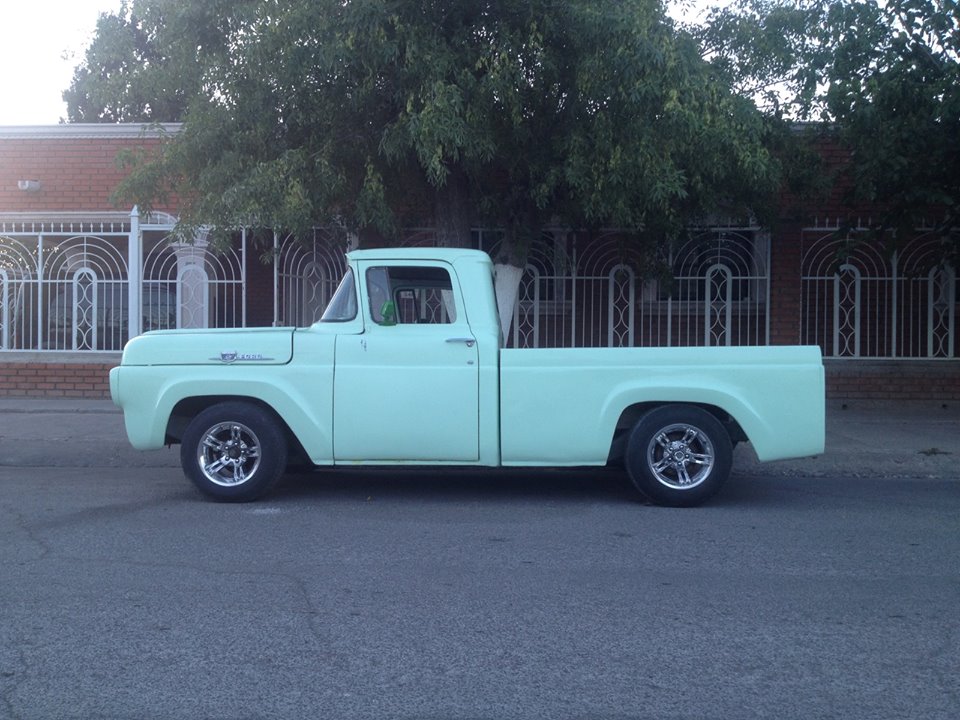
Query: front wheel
point(679, 455)
point(233, 452)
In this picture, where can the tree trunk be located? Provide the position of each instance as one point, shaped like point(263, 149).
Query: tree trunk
point(510, 264)
point(507, 287)
point(452, 218)
point(452, 214)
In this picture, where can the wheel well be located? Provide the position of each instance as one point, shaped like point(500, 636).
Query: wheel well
point(188, 408)
point(632, 414)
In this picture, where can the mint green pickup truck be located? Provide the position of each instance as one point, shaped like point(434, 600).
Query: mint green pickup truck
point(406, 367)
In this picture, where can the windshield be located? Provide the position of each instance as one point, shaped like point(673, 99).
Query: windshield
point(343, 304)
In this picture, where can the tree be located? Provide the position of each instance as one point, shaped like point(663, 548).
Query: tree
point(893, 88)
point(146, 62)
point(883, 74)
point(371, 114)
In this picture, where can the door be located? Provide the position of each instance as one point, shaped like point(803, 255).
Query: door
point(406, 390)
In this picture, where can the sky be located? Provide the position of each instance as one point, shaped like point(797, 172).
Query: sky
point(41, 41)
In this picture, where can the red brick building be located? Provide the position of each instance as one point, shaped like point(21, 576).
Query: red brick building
point(78, 276)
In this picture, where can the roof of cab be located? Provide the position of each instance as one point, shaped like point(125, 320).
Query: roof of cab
point(443, 254)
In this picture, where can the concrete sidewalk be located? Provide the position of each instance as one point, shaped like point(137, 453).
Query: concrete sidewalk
point(919, 440)
point(70, 433)
point(882, 440)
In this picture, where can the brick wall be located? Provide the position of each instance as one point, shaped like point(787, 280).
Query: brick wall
point(76, 166)
point(785, 284)
point(893, 380)
point(259, 288)
point(76, 375)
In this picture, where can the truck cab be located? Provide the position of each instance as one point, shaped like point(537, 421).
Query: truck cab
point(414, 356)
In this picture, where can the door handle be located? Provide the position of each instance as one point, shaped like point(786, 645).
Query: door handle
point(468, 341)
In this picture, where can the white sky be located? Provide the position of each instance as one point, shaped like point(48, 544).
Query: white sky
point(41, 42)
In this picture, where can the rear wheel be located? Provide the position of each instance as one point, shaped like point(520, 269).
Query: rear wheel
point(679, 455)
point(234, 452)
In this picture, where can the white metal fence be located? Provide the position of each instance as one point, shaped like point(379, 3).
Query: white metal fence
point(80, 283)
point(191, 285)
point(68, 285)
point(307, 274)
point(595, 292)
point(64, 283)
point(860, 301)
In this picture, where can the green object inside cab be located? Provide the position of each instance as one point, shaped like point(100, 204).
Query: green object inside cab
point(388, 313)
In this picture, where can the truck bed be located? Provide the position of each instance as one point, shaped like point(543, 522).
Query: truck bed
point(563, 406)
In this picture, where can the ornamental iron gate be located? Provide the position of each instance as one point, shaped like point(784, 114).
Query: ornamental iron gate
point(190, 285)
point(64, 283)
point(68, 283)
point(858, 301)
point(593, 293)
point(307, 274)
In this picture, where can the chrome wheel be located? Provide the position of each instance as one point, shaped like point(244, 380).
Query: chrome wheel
point(234, 451)
point(229, 454)
point(680, 456)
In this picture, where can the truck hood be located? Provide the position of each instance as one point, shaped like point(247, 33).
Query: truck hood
point(249, 346)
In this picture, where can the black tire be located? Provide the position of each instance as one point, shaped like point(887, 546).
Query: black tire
point(234, 452)
point(679, 455)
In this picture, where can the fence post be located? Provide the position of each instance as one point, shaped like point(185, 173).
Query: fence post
point(894, 304)
point(243, 277)
point(276, 279)
point(134, 275)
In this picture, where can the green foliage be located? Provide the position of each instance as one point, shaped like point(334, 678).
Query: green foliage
point(148, 61)
point(365, 113)
point(884, 74)
point(893, 88)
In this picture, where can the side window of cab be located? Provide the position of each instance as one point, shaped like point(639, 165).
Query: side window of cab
point(410, 295)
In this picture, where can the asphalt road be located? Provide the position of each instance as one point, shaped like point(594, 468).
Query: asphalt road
point(470, 595)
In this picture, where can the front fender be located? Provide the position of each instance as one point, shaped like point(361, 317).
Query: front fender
point(302, 398)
